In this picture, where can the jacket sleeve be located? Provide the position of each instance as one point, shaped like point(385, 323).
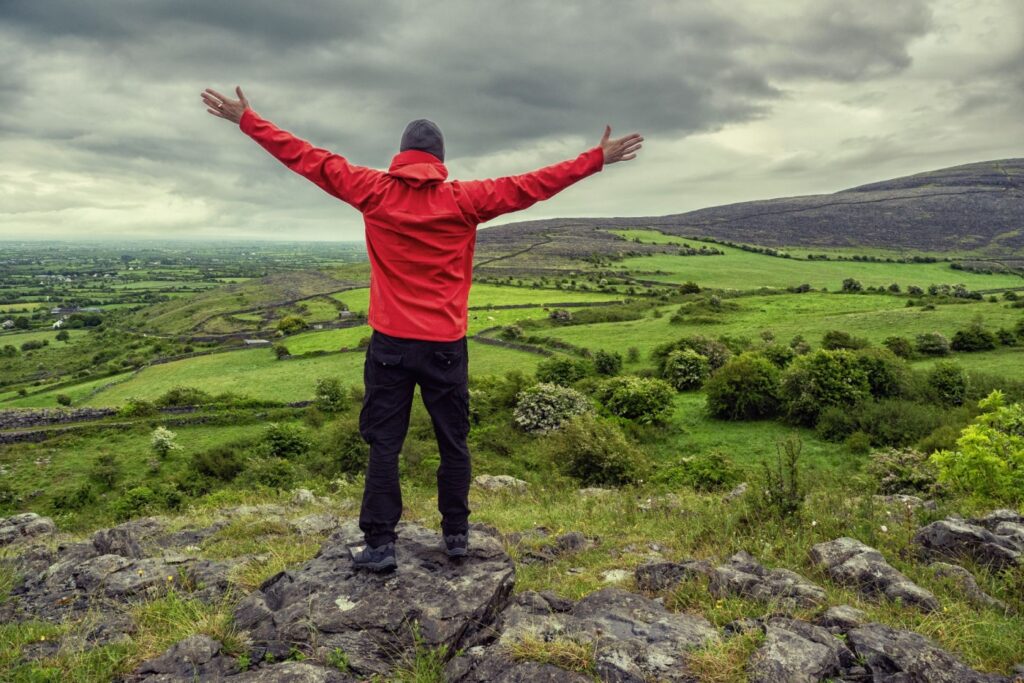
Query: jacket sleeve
point(492, 198)
point(356, 185)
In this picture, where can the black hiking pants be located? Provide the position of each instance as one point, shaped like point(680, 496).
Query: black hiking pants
point(393, 368)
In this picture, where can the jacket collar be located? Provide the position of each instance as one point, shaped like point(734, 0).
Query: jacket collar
point(418, 167)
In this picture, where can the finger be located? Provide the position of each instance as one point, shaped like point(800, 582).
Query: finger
point(211, 101)
point(607, 134)
point(630, 138)
point(217, 113)
point(241, 96)
point(216, 94)
point(631, 148)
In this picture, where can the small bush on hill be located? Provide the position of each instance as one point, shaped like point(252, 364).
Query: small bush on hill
point(711, 471)
point(547, 406)
point(223, 462)
point(596, 452)
point(106, 471)
point(837, 339)
point(932, 344)
point(902, 470)
point(511, 333)
point(888, 375)
point(489, 394)
point(331, 396)
point(780, 490)
point(858, 443)
point(608, 363)
point(973, 338)
point(821, 379)
point(290, 324)
point(900, 346)
point(645, 400)
point(746, 388)
point(163, 441)
point(686, 369)
point(988, 460)
point(136, 407)
point(184, 396)
point(561, 370)
point(715, 351)
point(948, 383)
point(778, 354)
point(345, 448)
point(284, 440)
point(275, 473)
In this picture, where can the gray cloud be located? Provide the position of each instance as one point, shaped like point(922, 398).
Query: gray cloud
point(112, 88)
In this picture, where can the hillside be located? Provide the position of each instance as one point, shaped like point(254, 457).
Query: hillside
point(977, 206)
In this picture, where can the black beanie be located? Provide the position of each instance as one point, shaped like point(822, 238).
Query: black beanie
point(423, 135)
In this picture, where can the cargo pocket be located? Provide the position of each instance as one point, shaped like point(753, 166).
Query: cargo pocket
point(447, 359)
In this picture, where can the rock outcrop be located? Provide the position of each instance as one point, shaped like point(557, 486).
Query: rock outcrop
point(27, 525)
point(326, 604)
point(744, 576)
point(996, 540)
point(850, 562)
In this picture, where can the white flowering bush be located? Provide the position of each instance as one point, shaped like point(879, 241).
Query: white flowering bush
point(163, 441)
point(546, 406)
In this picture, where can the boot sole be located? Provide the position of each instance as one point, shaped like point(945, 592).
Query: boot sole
point(383, 565)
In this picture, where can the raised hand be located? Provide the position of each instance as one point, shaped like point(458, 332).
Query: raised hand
point(622, 149)
point(225, 107)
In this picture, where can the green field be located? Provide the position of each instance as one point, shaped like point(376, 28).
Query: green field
point(256, 373)
point(19, 338)
point(739, 269)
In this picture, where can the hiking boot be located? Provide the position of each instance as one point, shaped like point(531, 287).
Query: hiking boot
point(379, 559)
point(456, 544)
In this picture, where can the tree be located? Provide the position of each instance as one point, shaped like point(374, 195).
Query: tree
point(851, 285)
point(820, 379)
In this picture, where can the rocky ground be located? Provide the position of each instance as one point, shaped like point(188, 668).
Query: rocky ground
point(350, 625)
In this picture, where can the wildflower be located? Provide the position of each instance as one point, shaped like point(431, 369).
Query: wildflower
point(814, 522)
point(884, 528)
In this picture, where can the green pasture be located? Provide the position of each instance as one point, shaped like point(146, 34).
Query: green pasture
point(258, 374)
point(19, 338)
point(48, 399)
point(738, 269)
point(872, 316)
point(23, 307)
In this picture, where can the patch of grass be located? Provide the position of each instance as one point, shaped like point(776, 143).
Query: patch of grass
point(726, 661)
point(562, 652)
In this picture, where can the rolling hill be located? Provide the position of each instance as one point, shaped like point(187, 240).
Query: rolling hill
point(972, 208)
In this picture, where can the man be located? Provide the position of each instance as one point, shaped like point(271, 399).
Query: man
point(420, 236)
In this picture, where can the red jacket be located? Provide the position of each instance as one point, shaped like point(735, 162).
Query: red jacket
point(420, 228)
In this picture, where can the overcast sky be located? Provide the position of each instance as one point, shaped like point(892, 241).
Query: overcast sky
point(102, 133)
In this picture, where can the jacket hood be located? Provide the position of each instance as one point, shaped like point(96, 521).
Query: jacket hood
point(418, 168)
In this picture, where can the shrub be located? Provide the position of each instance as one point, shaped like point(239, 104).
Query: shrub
point(715, 351)
point(184, 396)
point(489, 394)
point(331, 396)
point(988, 460)
point(77, 498)
point(561, 370)
point(821, 379)
point(686, 369)
point(902, 470)
point(284, 440)
point(511, 333)
point(852, 285)
point(941, 438)
point(162, 441)
point(281, 351)
point(897, 423)
point(973, 338)
point(711, 471)
point(887, 374)
point(291, 324)
point(346, 448)
point(560, 315)
point(746, 388)
point(136, 407)
point(135, 501)
point(608, 363)
point(223, 462)
point(900, 346)
point(63, 399)
point(837, 339)
point(633, 354)
point(836, 424)
point(948, 383)
point(546, 406)
point(778, 354)
point(858, 443)
point(596, 452)
point(275, 473)
point(1006, 337)
point(106, 470)
point(932, 344)
point(645, 400)
point(780, 490)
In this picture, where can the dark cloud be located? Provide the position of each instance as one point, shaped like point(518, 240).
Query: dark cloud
point(113, 86)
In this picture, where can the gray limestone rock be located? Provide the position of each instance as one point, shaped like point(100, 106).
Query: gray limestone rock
point(369, 616)
point(27, 525)
point(957, 538)
point(658, 576)
point(968, 586)
point(744, 576)
point(853, 563)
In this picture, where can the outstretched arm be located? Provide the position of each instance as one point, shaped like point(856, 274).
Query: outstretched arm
point(492, 198)
point(331, 172)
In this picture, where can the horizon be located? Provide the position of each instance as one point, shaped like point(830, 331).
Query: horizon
point(772, 101)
